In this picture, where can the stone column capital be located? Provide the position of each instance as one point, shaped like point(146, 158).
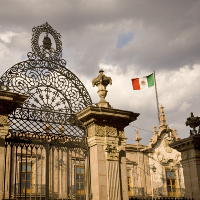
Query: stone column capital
point(101, 116)
point(4, 126)
point(9, 101)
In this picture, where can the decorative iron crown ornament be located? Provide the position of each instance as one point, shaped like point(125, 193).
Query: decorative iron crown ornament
point(47, 42)
point(101, 82)
point(193, 122)
point(46, 51)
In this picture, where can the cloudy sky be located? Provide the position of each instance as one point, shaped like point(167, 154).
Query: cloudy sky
point(127, 39)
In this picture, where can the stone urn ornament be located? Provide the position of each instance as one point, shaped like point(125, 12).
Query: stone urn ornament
point(102, 82)
point(193, 122)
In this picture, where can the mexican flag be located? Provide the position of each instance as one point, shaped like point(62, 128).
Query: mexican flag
point(143, 82)
point(170, 134)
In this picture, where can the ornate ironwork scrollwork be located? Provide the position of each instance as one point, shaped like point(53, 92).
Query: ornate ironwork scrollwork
point(44, 51)
point(51, 87)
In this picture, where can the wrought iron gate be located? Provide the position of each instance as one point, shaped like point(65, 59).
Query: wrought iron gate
point(42, 169)
point(46, 164)
point(46, 152)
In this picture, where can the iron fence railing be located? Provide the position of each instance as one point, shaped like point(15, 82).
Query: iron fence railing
point(42, 170)
point(174, 192)
point(136, 191)
point(159, 193)
point(160, 198)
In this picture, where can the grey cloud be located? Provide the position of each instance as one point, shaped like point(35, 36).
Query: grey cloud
point(158, 25)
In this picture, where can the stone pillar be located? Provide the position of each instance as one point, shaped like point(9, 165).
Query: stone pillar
point(106, 140)
point(190, 154)
point(9, 101)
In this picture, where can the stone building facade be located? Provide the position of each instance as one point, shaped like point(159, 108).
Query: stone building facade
point(155, 168)
point(152, 170)
point(56, 144)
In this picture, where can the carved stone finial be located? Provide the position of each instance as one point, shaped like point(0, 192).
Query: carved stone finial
point(175, 135)
point(137, 138)
point(154, 130)
point(101, 82)
point(162, 118)
point(193, 122)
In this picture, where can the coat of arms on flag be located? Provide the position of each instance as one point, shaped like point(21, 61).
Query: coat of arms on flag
point(143, 82)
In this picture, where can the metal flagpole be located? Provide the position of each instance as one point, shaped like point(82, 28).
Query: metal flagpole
point(156, 97)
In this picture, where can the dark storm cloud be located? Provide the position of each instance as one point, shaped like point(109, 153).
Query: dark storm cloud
point(166, 32)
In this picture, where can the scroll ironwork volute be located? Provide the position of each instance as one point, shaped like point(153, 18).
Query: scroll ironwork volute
point(55, 93)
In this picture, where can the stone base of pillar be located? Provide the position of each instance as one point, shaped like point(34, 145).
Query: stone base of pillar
point(190, 154)
point(106, 140)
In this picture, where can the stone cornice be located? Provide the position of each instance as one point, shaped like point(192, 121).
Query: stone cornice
point(137, 148)
point(130, 162)
point(9, 101)
point(192, 142)
point(102, 115)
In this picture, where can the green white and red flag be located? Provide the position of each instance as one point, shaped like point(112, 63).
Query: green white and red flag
point(143, 82)
point(170, 134)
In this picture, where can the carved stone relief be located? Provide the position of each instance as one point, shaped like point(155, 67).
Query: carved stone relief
point(111, 131)
point(121, 133)
point(96, 130)
point(112, 152)
point(165, 154)
point(99, 130)
point(91, 131)
point(102, 131)
point(177, 157)
point(166, 142)
point(4, 120)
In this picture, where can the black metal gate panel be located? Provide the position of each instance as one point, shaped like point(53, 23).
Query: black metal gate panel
point(46, 156)
point(45, 169)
